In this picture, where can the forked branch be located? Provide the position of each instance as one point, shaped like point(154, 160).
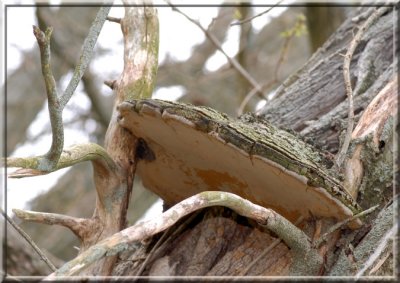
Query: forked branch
point(120, 241)
point(69, 157)
point(76, 225)
point(49, 161)
point(56, 103)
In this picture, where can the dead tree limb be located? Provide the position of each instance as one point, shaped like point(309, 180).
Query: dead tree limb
point(76, 225)
point(57, 103)
point(48, 162)
point(114, 166)
point(288, 232)
point(55, 110)
point(69, 157)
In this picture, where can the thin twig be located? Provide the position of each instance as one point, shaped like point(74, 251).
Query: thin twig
point(114, 19)
point(282, 55)
point(281, 59)
point(342, 223)
point(76, 225)
point(29, 240)
point(11, 278)
point(250, 95)
point(159, 242)
point(234, 63)
point(290, 234)
point(378, 250)
point(256, 16)
point(347, 81)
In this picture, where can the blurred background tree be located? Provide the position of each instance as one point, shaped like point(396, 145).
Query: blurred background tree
point(264, 52)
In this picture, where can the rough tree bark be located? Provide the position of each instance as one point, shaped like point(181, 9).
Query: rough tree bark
point(313, 103)
point(217, 241)
point(114, 166)
point(259, 61)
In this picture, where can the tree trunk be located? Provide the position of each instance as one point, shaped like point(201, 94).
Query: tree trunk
point(313, 103)
point(219, 241)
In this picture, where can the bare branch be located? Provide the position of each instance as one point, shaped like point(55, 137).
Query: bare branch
point(114, 19)
point(56, 104)
point(29, 240)
point(120, 241)
point(69, 157)
point(256, 16)
point(140, 28)
point(86, 54)
point(234, 63)
point(250, 96)
point(268, 84)
point(76, 225)
point(347, 80)
point(48, 161)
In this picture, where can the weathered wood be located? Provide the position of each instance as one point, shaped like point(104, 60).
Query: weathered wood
point(215, 241)
point(313, 100)
point(370, 135)
point(381, 225)
point(114, 167)
point(140, 29)
point(245, 136)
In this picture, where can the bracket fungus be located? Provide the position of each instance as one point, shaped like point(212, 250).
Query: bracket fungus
point(188, 149)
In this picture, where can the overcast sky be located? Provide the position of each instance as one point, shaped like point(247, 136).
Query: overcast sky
point(177, 45)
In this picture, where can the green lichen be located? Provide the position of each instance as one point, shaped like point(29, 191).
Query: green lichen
point(120, 247)
point(28, 163)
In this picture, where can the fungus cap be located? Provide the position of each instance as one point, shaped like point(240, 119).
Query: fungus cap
point(188, 149)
